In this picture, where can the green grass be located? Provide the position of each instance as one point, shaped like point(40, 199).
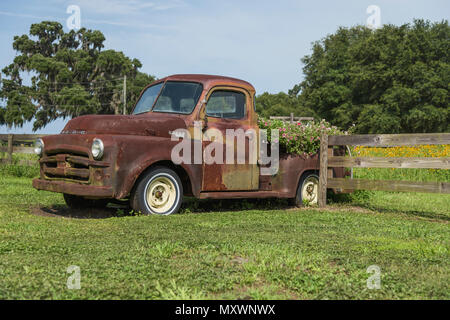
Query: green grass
point(423, 175)
point(17, 170)
point(276, 253)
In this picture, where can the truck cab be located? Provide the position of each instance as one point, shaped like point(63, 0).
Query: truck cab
point(98, 158)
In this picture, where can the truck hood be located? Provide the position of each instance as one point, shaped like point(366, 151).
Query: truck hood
point(153, 124)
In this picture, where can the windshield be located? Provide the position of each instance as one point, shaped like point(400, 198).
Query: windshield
point(175, 97)
point(147, 99)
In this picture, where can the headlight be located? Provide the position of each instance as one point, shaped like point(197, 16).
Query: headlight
point(38, 147)
point(97, 149)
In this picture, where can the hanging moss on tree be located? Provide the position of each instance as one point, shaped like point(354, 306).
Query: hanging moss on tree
point(71, 75)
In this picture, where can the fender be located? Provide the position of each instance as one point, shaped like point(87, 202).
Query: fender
point(147, 152)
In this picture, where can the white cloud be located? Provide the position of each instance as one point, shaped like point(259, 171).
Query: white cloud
point(127, 7)
point(25, 15)
point(132, 24)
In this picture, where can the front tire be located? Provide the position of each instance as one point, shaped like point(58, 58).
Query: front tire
point(308, 190)
point(158, 191)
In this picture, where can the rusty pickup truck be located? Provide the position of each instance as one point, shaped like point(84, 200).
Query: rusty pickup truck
point(99, 158)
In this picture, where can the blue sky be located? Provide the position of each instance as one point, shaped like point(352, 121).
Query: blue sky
point(259, 41)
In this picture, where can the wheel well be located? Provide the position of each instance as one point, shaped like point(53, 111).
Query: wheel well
point(306, 172)
point(184, 177)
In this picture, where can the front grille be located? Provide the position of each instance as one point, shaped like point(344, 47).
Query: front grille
point(66, 166)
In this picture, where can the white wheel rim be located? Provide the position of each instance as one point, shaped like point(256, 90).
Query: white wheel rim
point(310, 189)
point(161, 194)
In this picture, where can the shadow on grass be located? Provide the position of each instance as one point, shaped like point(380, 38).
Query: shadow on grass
point(88, 213)
point(410, 212)
point(363, 199)
point(189, 205)
point(350, 202)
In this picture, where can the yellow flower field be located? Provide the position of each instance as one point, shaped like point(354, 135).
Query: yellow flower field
point(405, 151)
point(403, 174)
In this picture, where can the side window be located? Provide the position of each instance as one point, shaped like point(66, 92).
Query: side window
point(226, 104)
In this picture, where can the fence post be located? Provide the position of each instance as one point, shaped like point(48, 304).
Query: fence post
point(124, 94)
point(323, 173)
point(10, 148)
point(292, 118)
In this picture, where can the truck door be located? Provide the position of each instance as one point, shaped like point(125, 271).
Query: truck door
point(229, 108)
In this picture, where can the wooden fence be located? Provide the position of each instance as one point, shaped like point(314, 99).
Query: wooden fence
point(382, 140)
point(291, 118)
point(17, 143)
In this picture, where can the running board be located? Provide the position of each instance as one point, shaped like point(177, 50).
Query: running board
point(243, 195)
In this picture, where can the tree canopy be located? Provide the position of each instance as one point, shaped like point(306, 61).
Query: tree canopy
point(393, 79)
point(71, 75)
point(281, 104)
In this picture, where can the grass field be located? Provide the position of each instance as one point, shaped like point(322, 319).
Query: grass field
point(230, 249)
point(214, 250)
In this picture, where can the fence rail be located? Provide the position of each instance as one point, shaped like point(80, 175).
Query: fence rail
point(382, 140)
point(291, 118)
point(18, 143)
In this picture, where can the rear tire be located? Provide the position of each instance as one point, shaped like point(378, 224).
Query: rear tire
point(307, 190)
point(159, 191)
point(77, 202)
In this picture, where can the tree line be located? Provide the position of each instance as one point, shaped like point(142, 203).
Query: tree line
point(394, 79)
